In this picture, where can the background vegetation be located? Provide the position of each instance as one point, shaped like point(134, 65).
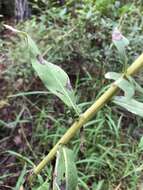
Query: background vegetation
point(76, 36)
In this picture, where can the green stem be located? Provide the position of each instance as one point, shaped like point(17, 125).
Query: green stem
point(87, 115)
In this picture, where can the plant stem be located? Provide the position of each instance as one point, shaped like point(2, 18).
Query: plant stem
point(88, 114)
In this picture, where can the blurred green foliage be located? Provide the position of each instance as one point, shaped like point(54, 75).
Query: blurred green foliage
point(76, 35)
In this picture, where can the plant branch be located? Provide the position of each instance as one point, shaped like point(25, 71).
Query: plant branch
point(88, 114)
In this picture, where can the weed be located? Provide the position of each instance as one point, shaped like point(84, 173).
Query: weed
point(110, 156)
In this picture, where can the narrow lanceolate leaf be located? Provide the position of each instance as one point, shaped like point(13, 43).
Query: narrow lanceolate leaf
point(120, 42)
point(113, 75)
point(20, 180)
point(140, 145)
point(125, 85)
point(137, 87)
point(59, 173)
point(131, 105)
point(65, 175)
point(54, 78)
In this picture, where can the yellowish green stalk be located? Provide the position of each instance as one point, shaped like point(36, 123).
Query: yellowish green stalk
point(88, 114)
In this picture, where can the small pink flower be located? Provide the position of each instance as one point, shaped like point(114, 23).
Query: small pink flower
point(116, 35)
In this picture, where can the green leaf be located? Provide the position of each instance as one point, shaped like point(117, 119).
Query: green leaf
point(138, 88)
point(54, 78)
point(59, 172)
point(65, 170)
point(120, 42)
point(44, 186)
point(131, 105)
point(140, 145)
point(21, 157)
point(113, 75)
point(122, 83)
point(21, 179)
point(57, 81)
